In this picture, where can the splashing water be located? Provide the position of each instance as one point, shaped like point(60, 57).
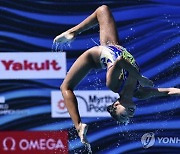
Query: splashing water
point(59, 47)
point(52, 47)
point(55, 46)
point(94, 41)
point(88, 146)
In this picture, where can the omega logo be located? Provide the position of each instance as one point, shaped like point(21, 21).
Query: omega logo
point(6, 144)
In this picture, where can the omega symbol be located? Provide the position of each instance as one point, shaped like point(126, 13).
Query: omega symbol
point(7, 146)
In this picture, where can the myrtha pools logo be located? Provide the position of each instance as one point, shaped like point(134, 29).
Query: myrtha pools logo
point(91, 103)
point(148, 140)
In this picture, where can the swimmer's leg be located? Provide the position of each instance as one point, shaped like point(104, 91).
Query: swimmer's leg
point(112, 76)
point(145, 93)
point(126, 95)
point(127, 92)
point(101, 16)
point(107, 25)
point(114, 79)
point(76, 73)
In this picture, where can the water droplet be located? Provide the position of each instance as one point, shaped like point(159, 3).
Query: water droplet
point(88, 146)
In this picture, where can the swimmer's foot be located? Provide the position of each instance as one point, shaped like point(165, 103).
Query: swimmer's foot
point(145, 82)
point(82, 130)
point(174, 91)
point(65, 37)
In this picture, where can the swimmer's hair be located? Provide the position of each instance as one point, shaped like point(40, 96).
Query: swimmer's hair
point(113, 114)
point(116, 116)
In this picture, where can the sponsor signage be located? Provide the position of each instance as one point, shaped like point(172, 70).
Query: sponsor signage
point(2, 99)
point(91, 103)
point(6, 109)
point(26, 142)
point(40, 65)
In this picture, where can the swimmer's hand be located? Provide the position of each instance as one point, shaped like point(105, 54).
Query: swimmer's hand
point(145, 82)
point(65, 37)
point(82, 130)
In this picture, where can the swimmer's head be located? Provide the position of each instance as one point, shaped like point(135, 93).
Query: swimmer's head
point(121, 113)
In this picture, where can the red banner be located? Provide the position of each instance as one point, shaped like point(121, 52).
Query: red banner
point(34, 142)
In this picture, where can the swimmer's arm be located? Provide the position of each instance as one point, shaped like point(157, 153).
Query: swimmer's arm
point(148, 92)
point(122, 63)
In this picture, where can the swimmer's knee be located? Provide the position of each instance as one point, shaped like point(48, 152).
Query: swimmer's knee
point(103, 9)
point(62, 88)
point(65, 87)
point(119, 61)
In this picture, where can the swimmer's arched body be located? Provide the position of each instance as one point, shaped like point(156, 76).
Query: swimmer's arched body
point(122, 77)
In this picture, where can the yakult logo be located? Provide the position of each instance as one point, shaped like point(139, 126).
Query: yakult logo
point(90, 103)
point(27, 65)
point(37, 142)
point(32, 65)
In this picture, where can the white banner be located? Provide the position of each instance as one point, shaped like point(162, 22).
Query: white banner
point(36, 65)
point(2, 99)
point(91, 103)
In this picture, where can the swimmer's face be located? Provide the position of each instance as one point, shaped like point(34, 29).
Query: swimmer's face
point(120, 113)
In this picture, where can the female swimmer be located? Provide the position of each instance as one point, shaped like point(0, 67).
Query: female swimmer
point(122, 77)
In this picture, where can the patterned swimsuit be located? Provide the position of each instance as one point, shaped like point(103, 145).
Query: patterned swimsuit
point(109, 54)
